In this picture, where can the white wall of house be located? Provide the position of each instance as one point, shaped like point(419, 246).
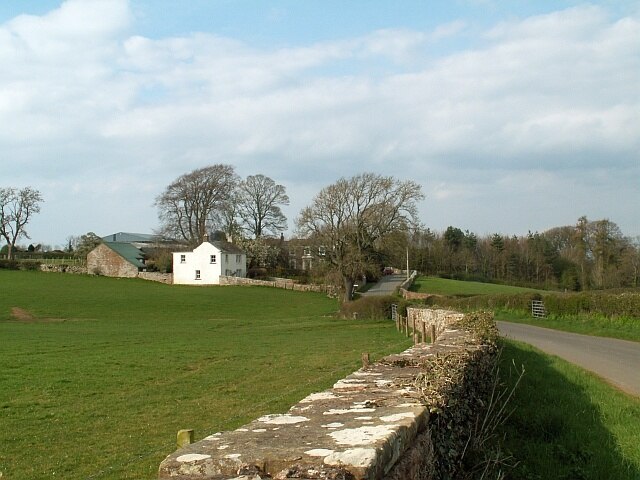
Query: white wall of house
point(205, 264)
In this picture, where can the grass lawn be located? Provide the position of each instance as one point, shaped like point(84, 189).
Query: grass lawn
point(444, 286)
point(98, 374)
point(567, 423)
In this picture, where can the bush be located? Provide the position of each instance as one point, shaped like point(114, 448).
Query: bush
point(373, 307)
point(8, 264)
point(30, 265)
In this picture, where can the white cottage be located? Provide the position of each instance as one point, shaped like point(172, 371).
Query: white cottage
point(207, 262)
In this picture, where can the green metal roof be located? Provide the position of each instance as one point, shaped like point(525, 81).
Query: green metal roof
point(131, 254)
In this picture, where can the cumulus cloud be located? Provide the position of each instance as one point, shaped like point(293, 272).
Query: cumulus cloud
point(81, 91)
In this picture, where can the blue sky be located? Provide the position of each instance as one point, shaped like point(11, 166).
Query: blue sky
point(514, 116)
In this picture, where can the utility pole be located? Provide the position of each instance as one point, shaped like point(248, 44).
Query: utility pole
point(407, 262)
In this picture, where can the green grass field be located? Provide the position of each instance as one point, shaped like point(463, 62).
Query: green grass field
point(567, 423)
point(97, 374)
point(444, 286)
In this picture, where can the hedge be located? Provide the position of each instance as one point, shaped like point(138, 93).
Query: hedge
point(626, 304)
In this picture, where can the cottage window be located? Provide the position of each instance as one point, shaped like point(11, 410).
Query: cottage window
point(183, 259)
point(238, 258)
point(307, 251)
point(226, 257)
point(197, 274)
point(213, 259)
point(322, 251)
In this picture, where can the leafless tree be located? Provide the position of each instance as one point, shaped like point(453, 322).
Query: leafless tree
point(16, 209)
point(192, 205)
point(259, 201)
point(353, 217)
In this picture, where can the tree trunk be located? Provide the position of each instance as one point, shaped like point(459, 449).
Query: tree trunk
point(348, 289)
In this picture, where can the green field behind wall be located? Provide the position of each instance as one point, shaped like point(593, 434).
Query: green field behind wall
point(98, 374)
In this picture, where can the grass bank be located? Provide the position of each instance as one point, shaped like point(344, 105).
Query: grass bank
point(98, 374)
point(623, 328)
point(567, 423)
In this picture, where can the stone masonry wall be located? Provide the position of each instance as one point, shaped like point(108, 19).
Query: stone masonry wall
point(440, 318)
point(372, 425)
point(157, 277)
point(284, 283)
point(47, 267)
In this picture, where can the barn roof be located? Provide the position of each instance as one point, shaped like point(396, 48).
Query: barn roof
point(131, 254)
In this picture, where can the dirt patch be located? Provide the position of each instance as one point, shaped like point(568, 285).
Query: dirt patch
point(21, 315)
point(24, 316)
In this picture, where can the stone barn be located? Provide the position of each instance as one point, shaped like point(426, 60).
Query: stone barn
point(116, 259)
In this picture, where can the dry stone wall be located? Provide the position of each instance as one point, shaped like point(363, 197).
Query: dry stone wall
point(79, 269)
point(157, 277)
point(284, 283)
point(372, 425)
point(437, 317)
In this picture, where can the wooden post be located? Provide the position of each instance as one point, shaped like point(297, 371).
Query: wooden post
point(424, 332)
point(433, 333)
point(185, 437)
point(413, 329)
point(366, 360)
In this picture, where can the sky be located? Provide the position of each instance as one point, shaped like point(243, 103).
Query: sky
point(513, 116)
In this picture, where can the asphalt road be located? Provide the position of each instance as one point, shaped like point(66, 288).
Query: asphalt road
point(617, 361)
point(386, 285)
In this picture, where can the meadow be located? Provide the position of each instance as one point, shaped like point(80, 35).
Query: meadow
point(98, 374)
point(445, 286)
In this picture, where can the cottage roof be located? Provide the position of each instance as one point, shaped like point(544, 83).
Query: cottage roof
point(226, 247)
point(131, 254)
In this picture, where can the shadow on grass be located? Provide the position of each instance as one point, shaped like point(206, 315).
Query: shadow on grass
point(556, 431)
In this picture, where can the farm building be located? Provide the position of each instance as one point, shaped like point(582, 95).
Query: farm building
point(116, 259)
point(207, 262)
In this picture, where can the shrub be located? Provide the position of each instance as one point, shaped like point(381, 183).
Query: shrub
point(373, 307)
point(8, 264)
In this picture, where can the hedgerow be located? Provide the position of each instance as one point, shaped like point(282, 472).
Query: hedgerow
point(626, 304)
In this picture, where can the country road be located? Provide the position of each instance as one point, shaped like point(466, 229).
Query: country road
point(386, 285)
point(617, 361)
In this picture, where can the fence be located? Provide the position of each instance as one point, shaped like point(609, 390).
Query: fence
point(419, 329)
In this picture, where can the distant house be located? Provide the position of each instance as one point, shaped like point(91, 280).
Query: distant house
point(206, 263)
point(116, 259)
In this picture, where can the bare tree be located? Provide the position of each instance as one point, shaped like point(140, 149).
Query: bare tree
point(353, 217)
point(192, 205)
point(259, 201)
point(16, 209)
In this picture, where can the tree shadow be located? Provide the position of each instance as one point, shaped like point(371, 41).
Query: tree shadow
point(556, 430)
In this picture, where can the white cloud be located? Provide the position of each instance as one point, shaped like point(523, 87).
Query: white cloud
point(82, 94)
